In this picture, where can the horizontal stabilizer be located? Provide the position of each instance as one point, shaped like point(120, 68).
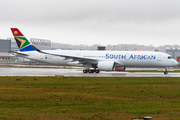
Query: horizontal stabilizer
point(18, 53)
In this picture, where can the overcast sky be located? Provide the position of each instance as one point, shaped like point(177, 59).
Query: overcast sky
point(145, 22)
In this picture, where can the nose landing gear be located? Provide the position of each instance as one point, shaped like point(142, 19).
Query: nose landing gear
point(165, 72)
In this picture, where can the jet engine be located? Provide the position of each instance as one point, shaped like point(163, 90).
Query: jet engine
point(106, 65)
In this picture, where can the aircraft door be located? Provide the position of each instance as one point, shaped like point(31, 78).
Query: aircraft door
point(158, 57)
point(42, 56)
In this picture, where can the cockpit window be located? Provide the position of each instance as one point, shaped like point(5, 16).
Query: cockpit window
point(170, 57)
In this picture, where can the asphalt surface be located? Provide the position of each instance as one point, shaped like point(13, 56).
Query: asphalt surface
point(77, 72)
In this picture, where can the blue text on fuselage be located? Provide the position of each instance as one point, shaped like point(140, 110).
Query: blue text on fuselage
point(140, 57)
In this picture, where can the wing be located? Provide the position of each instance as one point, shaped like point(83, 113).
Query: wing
point(87, 62)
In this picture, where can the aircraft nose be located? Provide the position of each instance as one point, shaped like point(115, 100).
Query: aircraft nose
point(175, 63)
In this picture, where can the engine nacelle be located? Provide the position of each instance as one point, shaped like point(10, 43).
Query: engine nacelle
point(106, 65)
point(119, 68)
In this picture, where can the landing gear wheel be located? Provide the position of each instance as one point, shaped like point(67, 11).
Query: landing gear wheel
point(84, 71)
point(165, 72)
point(97, 71)
point(91, 71)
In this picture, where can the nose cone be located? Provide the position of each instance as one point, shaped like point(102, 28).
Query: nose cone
point(175, 63)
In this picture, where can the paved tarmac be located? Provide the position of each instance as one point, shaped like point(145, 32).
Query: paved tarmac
point(77, 72)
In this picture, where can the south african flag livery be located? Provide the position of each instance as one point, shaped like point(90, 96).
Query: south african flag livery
point(22, 42)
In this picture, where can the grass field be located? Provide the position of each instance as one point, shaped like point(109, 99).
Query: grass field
point(89, 98)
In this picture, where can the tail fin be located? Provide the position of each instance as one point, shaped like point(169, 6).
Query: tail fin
point(22, 42)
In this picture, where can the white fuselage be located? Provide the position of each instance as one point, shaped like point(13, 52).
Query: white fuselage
point(123, 58)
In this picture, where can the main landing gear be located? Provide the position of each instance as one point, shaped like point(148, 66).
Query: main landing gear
point(90, 71)
point(165, 72)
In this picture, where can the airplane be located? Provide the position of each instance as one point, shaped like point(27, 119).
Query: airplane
point(93, 61)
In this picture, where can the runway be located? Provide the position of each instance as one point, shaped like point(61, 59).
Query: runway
point(77, 73)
